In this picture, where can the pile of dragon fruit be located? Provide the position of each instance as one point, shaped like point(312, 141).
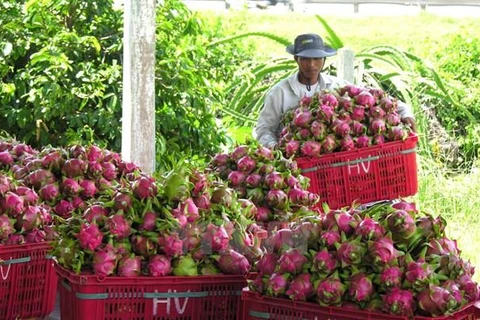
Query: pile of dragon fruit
point(388, 258)
point(104, 216)
point(273, 183)
point(343, 119)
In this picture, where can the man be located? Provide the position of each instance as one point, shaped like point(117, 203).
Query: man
point(310, 53)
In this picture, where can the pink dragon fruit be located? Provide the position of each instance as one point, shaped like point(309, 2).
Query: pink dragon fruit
point(118, 226)
point(350, 89)
point(171, 244)
point(274, 180)
point(70, 187)
point(300, 288)
point(105, 261)
point(358, 113)
point(6, 227)
point(341, 128)
point(402, 224)
point(369, 229)
point(318, 129)
point(437, 301)
point(325, 113)
point(89, 189)
point(246, 164)
point(292, 261)
point(29, 195)
point(387, 104)
point(376, 112)
point(236, 178)
point(12, 204)
point(145, 187)
point(377, 126)
point(267, 263)
point(35, 236)
point(346, 143)
point(330, 290)
point(363, 141)
point(89, 237)
point(129, 266)
point(351, 253)
point(329, 99)
point(302, 117)
point(345, 103)
point(325, 262)
point(393, 119)
point(397, 133)
point(277, 284)
point(159, 266)
point(390, 277)
point(418, 274)
point(360, 287)
point(292, 148)
point(330, 238)
point(311, 148)
point(262, 153)
point(329, 144)
point(232, 262)
point(365, 98)
point(74, 167)
point(382, 251)
point(143, 246)
point(29, 219)
point(378, 139)
point(357, 128)
point(398, 302)
point(277, 199)
point(6, 159)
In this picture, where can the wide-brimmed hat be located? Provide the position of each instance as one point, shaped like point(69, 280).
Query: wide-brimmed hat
point(310, 45)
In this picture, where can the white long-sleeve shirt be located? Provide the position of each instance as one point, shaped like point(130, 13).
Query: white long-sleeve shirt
point(286, 95)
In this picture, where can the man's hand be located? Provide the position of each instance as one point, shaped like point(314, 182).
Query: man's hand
point(411, 123)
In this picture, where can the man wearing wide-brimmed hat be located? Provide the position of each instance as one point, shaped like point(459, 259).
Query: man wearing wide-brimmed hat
point(310, 53)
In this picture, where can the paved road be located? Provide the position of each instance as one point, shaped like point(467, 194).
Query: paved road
point(339, 9)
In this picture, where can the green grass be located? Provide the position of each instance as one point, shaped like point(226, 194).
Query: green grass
point(454, 197)
point(417, 33)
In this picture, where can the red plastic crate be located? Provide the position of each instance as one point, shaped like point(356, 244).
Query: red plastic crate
point(86, 297)
point(380, 172)
point(28, 281)
point(257, 307)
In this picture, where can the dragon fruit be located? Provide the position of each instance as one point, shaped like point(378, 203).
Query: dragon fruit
point(145, 187)
point(325, 113)
point(277, 284)
point(360, 287)
point(350, 253)
point(382, 251)
point(302, 117)
point(292, 261)
point(89, 237)
point(105, 260)
point(311, 148)
point(390, 277)
point(436, 300)
point(6, 227)
point(129, 266)
point(300, 288)
point(330, 290)
point(118, 226)
point(325, 262)
point(398, 302)
point(159, 266)
point(12, 204)
point(267, 263)
point(365, 98)
point(232, 262)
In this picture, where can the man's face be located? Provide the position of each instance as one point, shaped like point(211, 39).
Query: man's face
point(310, 67)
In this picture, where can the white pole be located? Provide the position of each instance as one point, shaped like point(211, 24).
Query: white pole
point(346, 64)
point(138, 119)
